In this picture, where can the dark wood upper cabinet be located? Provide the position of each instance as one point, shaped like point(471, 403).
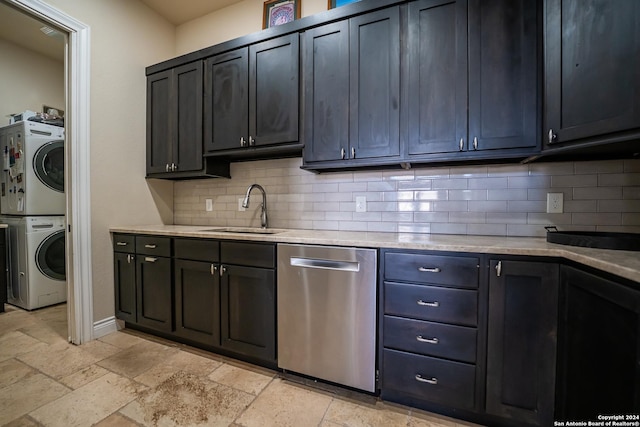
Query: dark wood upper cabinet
point(473, 76)
point(251, 96)
point(592, 70)
point(352, 88)
point(174, 125)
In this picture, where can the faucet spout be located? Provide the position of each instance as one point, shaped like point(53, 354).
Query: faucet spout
point(245, 204)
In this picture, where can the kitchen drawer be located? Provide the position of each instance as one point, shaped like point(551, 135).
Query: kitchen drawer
point(431, 339)
point(460, 272)
point(153, 245)
point(447, 305)
point(250, 254)
point(124, 243)
point(428, 378)
point(197, 249)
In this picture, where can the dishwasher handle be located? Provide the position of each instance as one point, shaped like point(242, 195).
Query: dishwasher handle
point(325, 264)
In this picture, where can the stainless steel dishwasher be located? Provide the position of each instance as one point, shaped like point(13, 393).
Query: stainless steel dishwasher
point(327, 313)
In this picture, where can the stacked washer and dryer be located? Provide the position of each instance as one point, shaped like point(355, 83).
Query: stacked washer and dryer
point(32, 203)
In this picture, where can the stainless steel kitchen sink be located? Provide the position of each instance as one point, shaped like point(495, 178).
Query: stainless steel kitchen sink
point(243, 230)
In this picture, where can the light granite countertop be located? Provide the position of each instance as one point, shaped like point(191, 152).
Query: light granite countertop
point(621, 263)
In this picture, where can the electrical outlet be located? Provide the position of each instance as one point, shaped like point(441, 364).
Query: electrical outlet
point(361, 204)
point(240, 208)
point(555, 202)
point(208, 205)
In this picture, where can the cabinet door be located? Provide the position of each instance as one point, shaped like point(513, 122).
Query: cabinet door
point(598, 347)
point(159, 122)
point(374, 69)
point(187, 114)
point(154, 296)
point(437, 43)
point(248, 311)
point(503, 70)
point(227, 100)
point(197, 291)
point(592, 67)
point(521, 346)
point(274, 68)
point(125, 286)
point(326, 90)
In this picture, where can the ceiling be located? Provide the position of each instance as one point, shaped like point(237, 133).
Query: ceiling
point(23, 30)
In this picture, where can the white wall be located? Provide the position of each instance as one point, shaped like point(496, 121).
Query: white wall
point(28, 81)
point(126, 37)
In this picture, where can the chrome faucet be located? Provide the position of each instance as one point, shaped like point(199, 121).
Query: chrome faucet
point(245, 204)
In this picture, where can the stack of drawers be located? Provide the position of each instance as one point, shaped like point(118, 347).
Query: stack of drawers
point(430, 327)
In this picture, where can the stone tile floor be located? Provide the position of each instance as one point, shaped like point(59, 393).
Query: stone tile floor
point(131, 379)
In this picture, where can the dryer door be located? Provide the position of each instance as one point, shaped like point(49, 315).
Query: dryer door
point(50, 256)
point(48, 165)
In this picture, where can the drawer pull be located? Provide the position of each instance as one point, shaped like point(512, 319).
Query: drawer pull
point(150, 259)
point(121, 243)
point(428, 303)
point(150, 246)
point(429, 270)
point(432, 380)
point(427, 340)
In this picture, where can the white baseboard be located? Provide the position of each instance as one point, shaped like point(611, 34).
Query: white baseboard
point(104, 327)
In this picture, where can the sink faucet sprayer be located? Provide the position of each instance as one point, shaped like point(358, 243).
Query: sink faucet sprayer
point(245, 203)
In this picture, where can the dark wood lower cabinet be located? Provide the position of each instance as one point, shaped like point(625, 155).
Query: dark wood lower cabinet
point(197, 301)
point(125, 285)
point(599, 347)
point(248, 311)
point(521, 341)
point(154, 298)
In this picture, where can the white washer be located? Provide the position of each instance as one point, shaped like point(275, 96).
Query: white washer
point(36, 261)
point(33, 169)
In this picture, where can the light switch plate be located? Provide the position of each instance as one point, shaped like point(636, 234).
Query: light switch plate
point(208, 205)
point(361, 204)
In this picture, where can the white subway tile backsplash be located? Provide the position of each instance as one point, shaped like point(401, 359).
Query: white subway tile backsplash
point(490, 200)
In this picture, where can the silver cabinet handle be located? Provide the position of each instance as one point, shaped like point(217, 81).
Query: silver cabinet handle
point(427, 340)
point(475, 142)
point(223, 270)
point(150, 246)
point(429, 270)
point(252, 141)
point(342, 153)
point(499, 268)
point(552, 136)
point(166, 167)
point(243, 143)
point(214, 269)
point(129, 258)
point(428, 303)
point(174, 167)
point(461, 144)
point(121, 243)
point(150, 259)
point(432, 380)
point(353, 152)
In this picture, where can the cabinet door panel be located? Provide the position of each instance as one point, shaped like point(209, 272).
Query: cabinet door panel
point(248, 311)
point(154, 296)
point(227, 100)
point(503, 100)
point(197, 291)
point(125, 286)
point(273, 90)
point(437, 43)
point(592, 67)
point(375, 84)
point(159, 121)
point(187, 147)
point(521, 346)
point(326, 75)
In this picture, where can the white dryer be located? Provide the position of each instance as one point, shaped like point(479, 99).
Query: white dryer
point(36, 261)
point(33, 169)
